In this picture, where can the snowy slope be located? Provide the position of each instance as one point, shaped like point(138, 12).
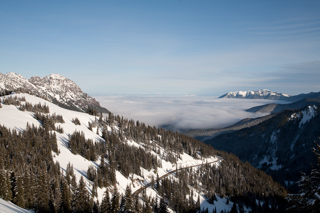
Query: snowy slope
point(8, 207)
point(305, 115)
point(13, 118)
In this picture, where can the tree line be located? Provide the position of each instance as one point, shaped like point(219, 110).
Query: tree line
point(30, 178)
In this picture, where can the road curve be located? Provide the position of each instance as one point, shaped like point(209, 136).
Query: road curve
point(135, 193)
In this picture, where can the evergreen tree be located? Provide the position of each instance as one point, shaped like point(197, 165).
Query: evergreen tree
point(94, 191)
point(81, 202)
point(105, 204)
point(147, 208)
point(214, 210)
point(5, 191)
point(115, 201)
point(65, 205)
point(18, 199)
point(163, 206)
point(308, 199)
point(234, 208)
point(128, 200)
point(42, 193)
point(137, 206)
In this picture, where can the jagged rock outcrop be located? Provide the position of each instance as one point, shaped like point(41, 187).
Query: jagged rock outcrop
point(55, 88)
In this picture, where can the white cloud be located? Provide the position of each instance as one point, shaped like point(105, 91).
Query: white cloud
point(195, 112)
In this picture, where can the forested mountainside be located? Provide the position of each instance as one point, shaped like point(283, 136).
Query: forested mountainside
point(56, 160)
point(281, 146)
point(55, 88)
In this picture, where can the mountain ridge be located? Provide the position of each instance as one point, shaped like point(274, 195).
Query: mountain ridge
point(259, 94)
point(54, 87)
point(279, 145)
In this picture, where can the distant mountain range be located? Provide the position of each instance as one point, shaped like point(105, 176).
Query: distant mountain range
point(295, 101)
point(280, 143)
point(55, 88)
point(260, 94)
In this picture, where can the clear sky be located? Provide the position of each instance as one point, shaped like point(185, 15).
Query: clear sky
point(201, 47)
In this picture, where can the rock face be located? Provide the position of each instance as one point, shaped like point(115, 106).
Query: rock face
point(260, 94)
point(55, 88)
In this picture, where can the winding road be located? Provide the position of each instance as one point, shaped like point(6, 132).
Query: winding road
point(135, 193)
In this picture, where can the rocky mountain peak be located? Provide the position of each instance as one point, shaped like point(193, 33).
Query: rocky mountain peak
point(55, 87)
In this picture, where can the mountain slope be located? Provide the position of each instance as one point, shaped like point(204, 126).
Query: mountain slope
point(275, 108)
point(207, 134)
point(69, 155)
point(260, 94)
point(281, 146)
point(55, 88)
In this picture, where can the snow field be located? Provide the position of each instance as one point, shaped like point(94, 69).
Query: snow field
point(8, 207)
point(13, 118)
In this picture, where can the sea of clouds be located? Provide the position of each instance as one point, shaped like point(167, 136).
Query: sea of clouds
point(182, 112)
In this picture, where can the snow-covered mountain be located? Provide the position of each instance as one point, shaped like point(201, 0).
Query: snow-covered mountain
point(82, 155)
point(281, 145)
point(260, 94)
point(54, 87)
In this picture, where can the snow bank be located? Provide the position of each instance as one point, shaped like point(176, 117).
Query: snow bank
point(8, 207)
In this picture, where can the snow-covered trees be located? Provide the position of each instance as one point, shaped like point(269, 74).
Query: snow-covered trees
point(308, 199)
point(27, 157)
point(81, 201)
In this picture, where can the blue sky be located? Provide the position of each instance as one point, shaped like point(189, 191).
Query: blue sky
point(200, 47)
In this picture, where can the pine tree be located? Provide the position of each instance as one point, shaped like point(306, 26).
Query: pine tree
point(65, 205)
point(163, 206)
point(19, 193)
point(137, 206)
point(128, 200)
point(234, 208)
point(308, 199)
point(5, 191)
point(81, 202)
point(29, 189)
point(105, 204)
point(41, 192)
point(147, 208)
point(115, 201)
point(94, 190)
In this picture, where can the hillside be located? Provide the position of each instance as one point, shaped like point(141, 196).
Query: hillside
point(281, 146)
point(275, 108)
point(63, 160)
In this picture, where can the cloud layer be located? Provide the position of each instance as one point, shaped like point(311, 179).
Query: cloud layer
point(182, 112)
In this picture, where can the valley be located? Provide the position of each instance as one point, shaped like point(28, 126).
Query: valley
point(108, 160)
